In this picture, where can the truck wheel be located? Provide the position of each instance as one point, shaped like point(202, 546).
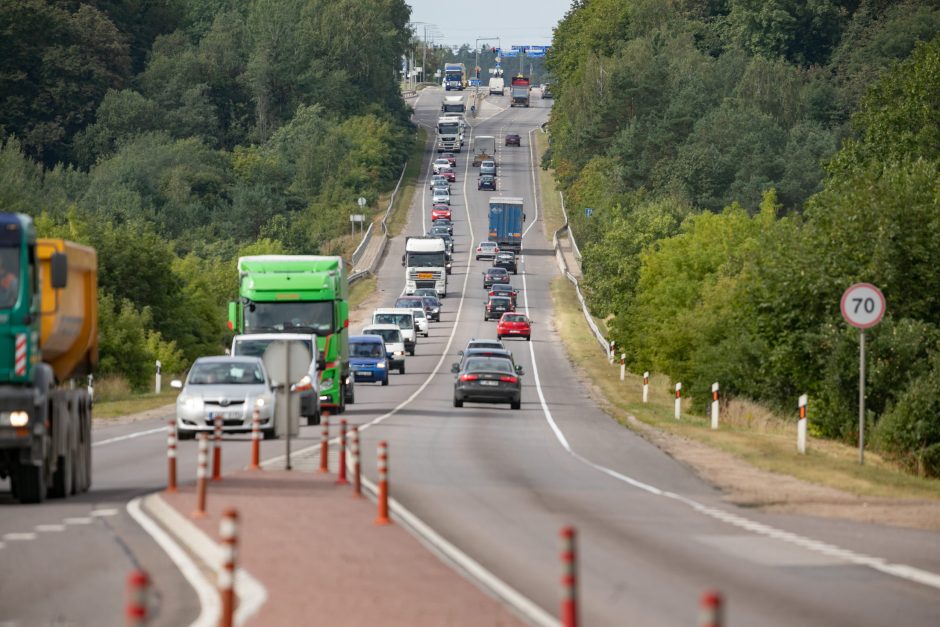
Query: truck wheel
point(62, 479)
point(515, 405)
point(30, 482)
point(314, 420)
point(342, 399)
point(401, 369)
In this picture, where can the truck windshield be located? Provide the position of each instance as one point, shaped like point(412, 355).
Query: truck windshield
point(425, 260)
point(255, 347)
point(454, 108)
point(296, 317)
point(9, 273)
point(448, 128)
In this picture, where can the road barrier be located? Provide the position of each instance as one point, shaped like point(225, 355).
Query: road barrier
point(357, 477)
point(171, 455)
point(255, 440)
point(138, 592)
point(217, 450)
point(228, 531)
point(382, 518)
point(801, 425)
point(569, 578)
point(324, 443)
point(341, 475)
point(711, 610)
point(202, 472)
point(370, 233)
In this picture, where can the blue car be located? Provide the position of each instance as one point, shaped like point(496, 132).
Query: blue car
point(368, 359)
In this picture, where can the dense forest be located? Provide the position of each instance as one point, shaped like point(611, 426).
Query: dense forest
point(747, 160)
point(175, 135)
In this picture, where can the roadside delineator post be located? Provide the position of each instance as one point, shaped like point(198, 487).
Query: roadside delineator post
point(357, 479)
point(569, 578)
point(324, 443)
point(678, 401)
point(217, 450)
point(255, 440)
point(171, 455)
point(623, 366)
point(801, 426)
point(646, 386)
point(228, 531)
point(202, 472)
point(711, 611)
point(138, 590)
point(341, 476)
point(382, 518)
point(715, 405)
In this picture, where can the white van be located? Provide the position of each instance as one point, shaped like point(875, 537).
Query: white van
point(404, 318)
point(394, 344)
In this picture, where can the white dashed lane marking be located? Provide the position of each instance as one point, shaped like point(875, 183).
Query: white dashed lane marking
point(16, 537)
point(82, 520)
point(98, 513)
point(48, 528)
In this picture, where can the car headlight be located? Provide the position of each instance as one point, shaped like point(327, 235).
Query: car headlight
point(436, 309)
point(380, 365)
point(264, 400)
point(14, 418)
point(192, 403)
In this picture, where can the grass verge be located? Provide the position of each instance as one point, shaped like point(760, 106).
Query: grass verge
point(747, 431)
point(360, 290)
point(398, 216)
point(552, 216)
point(116, 407)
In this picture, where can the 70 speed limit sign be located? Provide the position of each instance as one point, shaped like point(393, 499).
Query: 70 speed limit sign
point(863, 305)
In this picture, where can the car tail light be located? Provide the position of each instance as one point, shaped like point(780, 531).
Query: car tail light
point(508, 379)
point(468, 377)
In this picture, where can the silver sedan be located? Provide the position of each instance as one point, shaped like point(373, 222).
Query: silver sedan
point(229, 387)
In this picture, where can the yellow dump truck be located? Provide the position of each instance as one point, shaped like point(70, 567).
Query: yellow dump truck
point(48, 343)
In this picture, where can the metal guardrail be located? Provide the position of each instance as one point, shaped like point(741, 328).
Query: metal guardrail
point(574, 243)
point(364, 244)
point(361, 248)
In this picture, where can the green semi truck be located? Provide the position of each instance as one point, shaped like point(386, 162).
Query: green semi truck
point(300, 294)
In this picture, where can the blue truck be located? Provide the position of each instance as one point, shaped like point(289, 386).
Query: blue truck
point(506, 219)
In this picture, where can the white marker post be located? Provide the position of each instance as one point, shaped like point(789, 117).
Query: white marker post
point(863, 306)
point(678, 401)
point(801, 427)
point(158, 382)
point(646, 386)
point(623, 366)
point(714, 405)
point(610, 352)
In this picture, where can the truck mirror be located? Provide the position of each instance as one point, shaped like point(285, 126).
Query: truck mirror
point(59, 269)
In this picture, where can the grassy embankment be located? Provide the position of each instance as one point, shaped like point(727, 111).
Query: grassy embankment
point(747, 431)
point(114, 398)
point(398, 216)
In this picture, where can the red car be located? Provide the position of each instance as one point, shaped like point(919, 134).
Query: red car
point(449, 175)
point(440, 211)
point(512, 324)
point(450, 157)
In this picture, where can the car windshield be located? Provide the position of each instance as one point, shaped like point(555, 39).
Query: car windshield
point(297, 316)
point(390, 336)
point(419, 312)
point(403, 321)
point(489, 364)
point(487, 245)
point(408, 302)
point(499, 271)
point(367, 349)
point(430, 301)
point(514, 318)
point(226, 373)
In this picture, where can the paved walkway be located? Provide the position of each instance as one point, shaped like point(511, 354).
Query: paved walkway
point(322, 560)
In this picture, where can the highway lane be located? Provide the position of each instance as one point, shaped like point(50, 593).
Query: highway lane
point(498, 484)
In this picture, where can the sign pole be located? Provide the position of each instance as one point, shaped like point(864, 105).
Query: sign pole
point(863, 306)
point(861, 396)
point(287, 386)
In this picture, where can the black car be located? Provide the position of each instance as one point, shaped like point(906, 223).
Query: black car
point(505, 353)
point(506, 260)
point(432, 305)
point(496, 306)
point(442, 232)
point(504, 289)
point(512, 139)
point(487, 181)
point(445, 222)
point(488, 380)
point(495, 275)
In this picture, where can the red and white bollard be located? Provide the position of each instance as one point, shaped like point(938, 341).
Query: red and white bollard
point(341, 477)
point(357, 465)
point(711, 612)
point(217, 450)
point(171, 456)
point(255, 440)
point(138, 592)
point(623, 366)
point(228, 531)
point(569, 578)
point(646, 386)
point(715, 405)
point(801, 426)
point(202, 474)
point(325, 443)
point(678, 401)
point(382, 518)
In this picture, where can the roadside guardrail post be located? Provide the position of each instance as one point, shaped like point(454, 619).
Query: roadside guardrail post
point(569, 578)
point(382, 518)
point(623, 366)
point(217, 449)
point(341, 478)
point(171, 455)
point(255, 440)
point(138, 592)
point(228, 531)
point(646, 386)
point(202, 472)
point(801, 426)
point(711, 611)
point(678, 401)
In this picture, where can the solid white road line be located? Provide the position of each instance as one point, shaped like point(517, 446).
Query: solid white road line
point(129, 436)
point(901, 571)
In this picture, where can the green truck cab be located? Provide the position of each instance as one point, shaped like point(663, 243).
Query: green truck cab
point(300, 294)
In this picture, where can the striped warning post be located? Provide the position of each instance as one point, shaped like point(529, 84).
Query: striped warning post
point(678, 401)
point(325, 443)
point(202, 474)
point(569, 578)
point(138, 591)
point(646, 386)
point(171, 455)
point(341, 477)
point(357, 478)
point(217, 449)
point(382, 518)
point(711, 610)
point(19, 361)
point(228, 532)
point(255, 440)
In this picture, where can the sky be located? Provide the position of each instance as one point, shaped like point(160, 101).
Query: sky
point(516, 22)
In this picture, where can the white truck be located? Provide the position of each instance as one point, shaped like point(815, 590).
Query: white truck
point(453, 104)
point(425, 262)
point(449, 134)
point(497, 86)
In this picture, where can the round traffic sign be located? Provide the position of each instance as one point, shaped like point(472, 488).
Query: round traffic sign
point(863, 305)
point(362, 201)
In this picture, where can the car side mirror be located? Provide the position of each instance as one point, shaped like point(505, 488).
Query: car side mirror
point(455, 367)
point(519, 370)
point(176, 384)
point(59, 270)
point(459, 353)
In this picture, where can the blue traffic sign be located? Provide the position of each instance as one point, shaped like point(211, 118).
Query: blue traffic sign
point(588, 211)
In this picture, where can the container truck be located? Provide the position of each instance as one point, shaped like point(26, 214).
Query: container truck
point(455, 76)
point(48, 338)
point(519, 91)
point(425, 262)
point(506, 218)
point(300, 294)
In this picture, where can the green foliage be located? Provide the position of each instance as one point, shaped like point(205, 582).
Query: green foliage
point(910, 431)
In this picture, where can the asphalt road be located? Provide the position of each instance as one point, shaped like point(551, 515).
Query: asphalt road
point(498, 483)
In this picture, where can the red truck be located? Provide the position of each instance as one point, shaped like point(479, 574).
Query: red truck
point(519, 91)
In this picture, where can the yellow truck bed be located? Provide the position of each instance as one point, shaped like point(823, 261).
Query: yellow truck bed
point(69, 325)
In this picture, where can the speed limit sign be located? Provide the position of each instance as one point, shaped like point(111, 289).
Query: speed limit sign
point(863, 305)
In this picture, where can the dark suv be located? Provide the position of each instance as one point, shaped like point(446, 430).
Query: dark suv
point(496, 306)
point(487, 181)
point(505, 260)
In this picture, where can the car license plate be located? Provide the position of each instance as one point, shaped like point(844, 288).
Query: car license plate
point(364, 373)
point(489, 382)
point(231, 414)
point(513, 330)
